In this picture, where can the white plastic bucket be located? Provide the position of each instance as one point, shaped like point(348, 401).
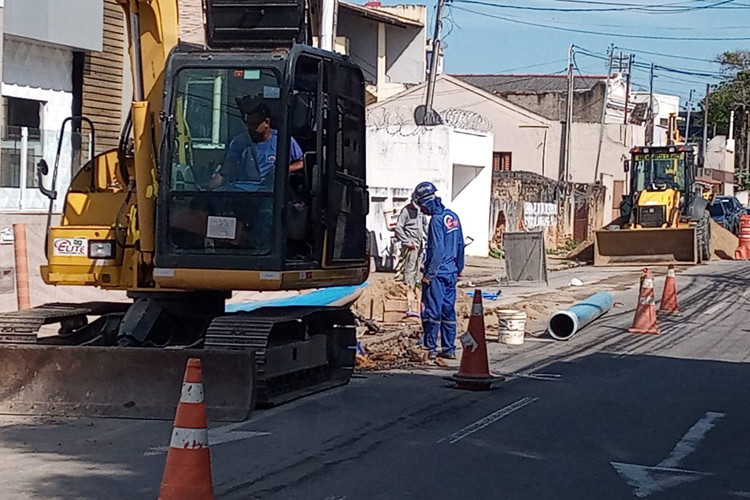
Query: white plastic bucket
point(511, 326)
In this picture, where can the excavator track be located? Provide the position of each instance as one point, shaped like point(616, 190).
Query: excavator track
point(261, 358)
point(22, 327)
point(298, 350)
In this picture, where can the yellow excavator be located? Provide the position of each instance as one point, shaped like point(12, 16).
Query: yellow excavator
point(149, 218)
point(664, 219)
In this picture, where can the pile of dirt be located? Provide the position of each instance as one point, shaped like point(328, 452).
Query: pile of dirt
point(379, 289)
point(584, 252)
point(723, 243)
point(395, 349)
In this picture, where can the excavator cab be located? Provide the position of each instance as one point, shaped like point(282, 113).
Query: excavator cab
point(263, 226)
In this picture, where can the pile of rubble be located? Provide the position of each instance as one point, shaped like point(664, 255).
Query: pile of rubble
point(391, 349)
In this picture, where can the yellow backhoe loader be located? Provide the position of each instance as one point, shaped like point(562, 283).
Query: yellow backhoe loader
point(150, 218)
point(664, 219)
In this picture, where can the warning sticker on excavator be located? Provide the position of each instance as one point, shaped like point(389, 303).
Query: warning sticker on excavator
point(69, 246)
point(224, 228)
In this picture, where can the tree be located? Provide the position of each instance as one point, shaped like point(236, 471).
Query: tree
point(733, 94)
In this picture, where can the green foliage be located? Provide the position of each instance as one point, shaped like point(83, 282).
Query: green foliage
point(732, 94)
point(569, 245)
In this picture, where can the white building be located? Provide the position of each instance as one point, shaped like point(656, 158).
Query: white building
point(59, 59)
point(458, 162)
point(663, 106)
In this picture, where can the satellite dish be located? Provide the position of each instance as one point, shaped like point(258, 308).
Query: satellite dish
point(425, 119)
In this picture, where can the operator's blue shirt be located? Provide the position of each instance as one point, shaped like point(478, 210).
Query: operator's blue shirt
point(445, 244)
point(257, 161)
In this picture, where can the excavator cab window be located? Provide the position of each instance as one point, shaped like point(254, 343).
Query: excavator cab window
point(222, 193)
point(263, 165)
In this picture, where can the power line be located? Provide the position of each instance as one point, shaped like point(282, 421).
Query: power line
point(684, 71)
point(672, 56)
point(558, 61)
point(666, 8)
point(587, 32)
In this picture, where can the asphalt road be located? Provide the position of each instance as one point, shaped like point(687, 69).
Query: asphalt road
point(605, 415)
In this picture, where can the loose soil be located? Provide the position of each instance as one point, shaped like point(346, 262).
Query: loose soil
point(723, 243)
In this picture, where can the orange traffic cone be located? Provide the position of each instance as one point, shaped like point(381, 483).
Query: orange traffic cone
point(743, 248)
point(645, 311)
point(474, 372)
point(669, 295)
point(187, 475)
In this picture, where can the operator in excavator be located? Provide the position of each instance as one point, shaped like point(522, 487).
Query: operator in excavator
point(250, 161)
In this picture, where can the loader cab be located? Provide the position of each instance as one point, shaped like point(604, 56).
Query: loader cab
point(663, 172)
point(291, 204)
point(660, 168)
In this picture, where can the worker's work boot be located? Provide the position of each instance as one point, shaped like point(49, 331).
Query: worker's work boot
point(447, 355)
point(432, 355)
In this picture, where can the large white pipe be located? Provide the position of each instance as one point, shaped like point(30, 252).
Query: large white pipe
point(564, 324)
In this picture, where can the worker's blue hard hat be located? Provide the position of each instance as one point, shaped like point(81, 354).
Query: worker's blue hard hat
point(423, 192)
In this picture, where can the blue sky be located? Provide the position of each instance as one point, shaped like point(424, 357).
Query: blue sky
point(476, 42)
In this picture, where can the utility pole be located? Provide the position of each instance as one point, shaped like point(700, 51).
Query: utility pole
point(687, 119)
point(568, 117)
point(707, 104)
point(327, 24)
point(430, 117)
point(604, 113)
point(650, 121)
point(627, 87)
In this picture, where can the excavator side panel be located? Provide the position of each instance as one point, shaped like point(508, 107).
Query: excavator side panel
point(121, 382)
point(636, 247)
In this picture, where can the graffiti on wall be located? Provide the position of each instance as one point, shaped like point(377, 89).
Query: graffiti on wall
point(538, 215)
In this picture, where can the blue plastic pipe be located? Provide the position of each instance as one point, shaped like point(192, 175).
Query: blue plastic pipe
point(564, 324)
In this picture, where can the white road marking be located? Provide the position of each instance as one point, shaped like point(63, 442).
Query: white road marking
point(224, 434)
point(647, 480)
point(535, 376)
point(690, 440)
point(488, 420)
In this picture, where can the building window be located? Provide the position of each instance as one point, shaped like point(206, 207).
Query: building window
point(23, 113)
point(20, 113)
point(501, 162)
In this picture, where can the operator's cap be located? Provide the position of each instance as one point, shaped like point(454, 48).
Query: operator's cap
point(423, 192)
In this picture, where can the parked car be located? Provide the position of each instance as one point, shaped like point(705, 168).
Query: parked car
point(720, 213)
point(733, 201)
point(733, 209)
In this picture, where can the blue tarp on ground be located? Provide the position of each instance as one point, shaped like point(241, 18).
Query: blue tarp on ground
point(322, 297)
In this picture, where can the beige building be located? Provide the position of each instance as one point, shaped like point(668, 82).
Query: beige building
point(388, 43)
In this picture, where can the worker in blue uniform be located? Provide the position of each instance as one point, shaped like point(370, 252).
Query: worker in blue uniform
point(444, 261)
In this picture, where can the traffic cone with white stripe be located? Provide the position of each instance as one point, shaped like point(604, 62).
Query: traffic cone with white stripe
point(474, 372)
point(669, 295)
point(187, 475)
point(645, 311)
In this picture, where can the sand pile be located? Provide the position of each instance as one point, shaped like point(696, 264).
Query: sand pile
point(723, 242)
point(584, 252)
point(378, 289)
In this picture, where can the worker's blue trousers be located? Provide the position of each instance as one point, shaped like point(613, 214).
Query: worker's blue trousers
point(439, 313)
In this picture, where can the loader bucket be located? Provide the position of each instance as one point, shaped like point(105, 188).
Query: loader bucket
point(121, 382)
point(638, 247)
